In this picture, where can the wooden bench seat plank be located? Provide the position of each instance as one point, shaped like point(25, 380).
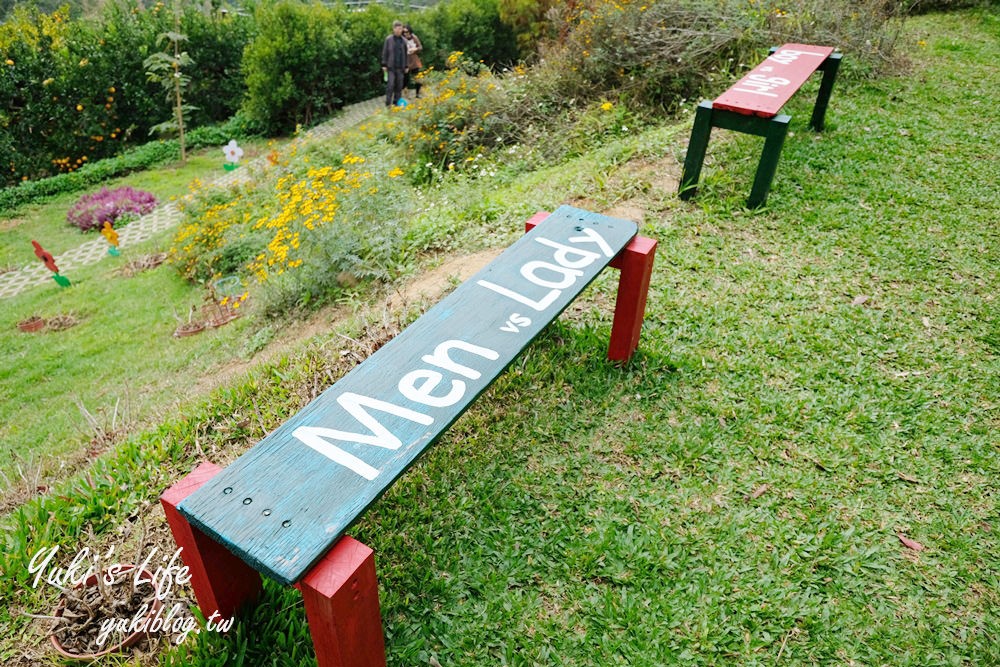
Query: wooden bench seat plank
point(283, 504)
point(766, 88)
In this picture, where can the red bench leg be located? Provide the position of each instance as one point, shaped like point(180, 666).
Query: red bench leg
point(635, 262)
point(341, 598)
point(636, 265)
point(221, 581)
point(340, 592)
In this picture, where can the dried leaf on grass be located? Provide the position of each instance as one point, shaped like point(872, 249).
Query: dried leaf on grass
point(82, 611)
point(910, 544)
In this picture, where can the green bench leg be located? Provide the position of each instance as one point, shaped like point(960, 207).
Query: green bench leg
point(829, 67)
point(700, 133)
point(777, 129)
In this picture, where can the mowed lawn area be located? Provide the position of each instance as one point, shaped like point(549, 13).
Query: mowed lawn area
point(800, 466)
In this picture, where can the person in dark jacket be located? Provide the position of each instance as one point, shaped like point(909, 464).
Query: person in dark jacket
point(394, 59)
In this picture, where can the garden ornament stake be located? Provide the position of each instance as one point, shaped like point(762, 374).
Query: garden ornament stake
point(50, 264)
point(233, 154)
point(108, 231)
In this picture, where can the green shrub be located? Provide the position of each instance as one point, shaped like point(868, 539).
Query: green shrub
point(473, 27)
point(118, 42)
point(136, 159)
point(33, 54)
point(527, 19)
point(293, 67)
point(308, 60)
point(76, 91)
point(216, 44)
point(362, 69)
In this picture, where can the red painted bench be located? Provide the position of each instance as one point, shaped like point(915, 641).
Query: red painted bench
point(753, 104)
point(283, 507)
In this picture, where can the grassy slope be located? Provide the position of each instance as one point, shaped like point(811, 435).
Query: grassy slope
point(610, 521)
point(121, 353)
point(735, 494)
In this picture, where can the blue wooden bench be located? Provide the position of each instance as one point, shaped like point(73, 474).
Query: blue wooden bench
point(284, 506)
point(752, 106)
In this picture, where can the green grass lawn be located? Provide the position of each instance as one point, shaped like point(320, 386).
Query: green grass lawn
point(815, 382)
point(121, 355)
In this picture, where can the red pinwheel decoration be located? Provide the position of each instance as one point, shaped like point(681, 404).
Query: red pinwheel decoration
point(50, 264)
point(46, 257)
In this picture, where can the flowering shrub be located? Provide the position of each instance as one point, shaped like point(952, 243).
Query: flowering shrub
point(447, 129)
point(659, 53)
point(614, 64)
point(301, 233)
point(93, 210)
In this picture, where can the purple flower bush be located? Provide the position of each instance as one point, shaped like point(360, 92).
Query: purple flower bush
point(93, 210)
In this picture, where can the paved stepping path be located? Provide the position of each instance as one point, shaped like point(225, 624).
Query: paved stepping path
point(163, 217)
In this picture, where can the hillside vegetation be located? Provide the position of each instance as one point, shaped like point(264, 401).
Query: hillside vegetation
point(798, 466)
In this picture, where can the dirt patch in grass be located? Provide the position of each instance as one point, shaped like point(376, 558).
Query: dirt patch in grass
point(12, 223)
point(638, 187)
point(144, 263)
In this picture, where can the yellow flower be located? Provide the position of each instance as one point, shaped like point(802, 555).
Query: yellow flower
point(9, 61)
point(396, 171)
point(607, 106)
point(79, 107)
